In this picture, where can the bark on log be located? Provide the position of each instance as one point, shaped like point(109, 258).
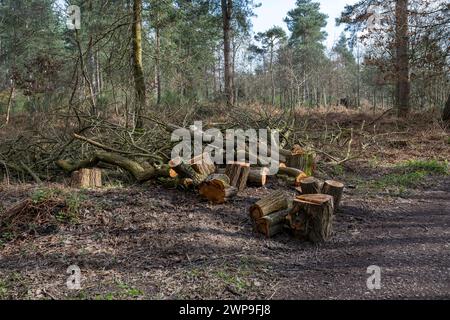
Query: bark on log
point(238, 173)
point(257, 177)
point(140, 173)
point(217, 189)
point(310, 185)
point(334, 189)
point(272, 203)
point(185, 170)
point(311, 217)
point(203, 164)
point(272, 224)
point(86, 178)
point(297, 174)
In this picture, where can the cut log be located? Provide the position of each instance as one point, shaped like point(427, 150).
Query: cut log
point(311, 217)
point(297, 174)
point(185, 170)
point(334, 189)
point(257, 177)
point(272, 224)
point(203, 164)
point(86, 178)
point(238, 173)
point(217, 189)
point(310, 185)
point(274, 202)
point(173, 173)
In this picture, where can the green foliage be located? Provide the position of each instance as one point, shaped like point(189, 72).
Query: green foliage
point(306, 23)
point(43, 194)
point(73, 203)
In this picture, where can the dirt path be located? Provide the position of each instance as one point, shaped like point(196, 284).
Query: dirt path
point(153, 243)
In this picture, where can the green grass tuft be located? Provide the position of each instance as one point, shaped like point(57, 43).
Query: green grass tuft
point(410, 174)
point(425, 166)
point(407, 180)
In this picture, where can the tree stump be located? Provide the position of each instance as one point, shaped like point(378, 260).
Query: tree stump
point(238, 173)
point(86, 178)
point(217, 189)
point(272, 203)
point(203, 164)
point(310, 185)
point(257, 177)
point(302, 160)
point(297, 174)
point(334, 189)
point(272, 224)
point(311, 217)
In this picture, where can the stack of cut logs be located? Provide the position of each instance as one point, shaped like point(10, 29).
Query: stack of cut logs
point(308, 216)
point(221, 184)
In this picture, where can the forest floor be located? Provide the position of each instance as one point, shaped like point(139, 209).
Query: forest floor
point(150, 242)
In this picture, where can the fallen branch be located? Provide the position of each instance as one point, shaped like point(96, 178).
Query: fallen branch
point(140, 173)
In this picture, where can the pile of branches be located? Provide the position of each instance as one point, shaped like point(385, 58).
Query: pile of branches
point(33, 217)
point(55, 141)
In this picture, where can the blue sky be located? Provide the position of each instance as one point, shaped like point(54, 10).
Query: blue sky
point(272, 12)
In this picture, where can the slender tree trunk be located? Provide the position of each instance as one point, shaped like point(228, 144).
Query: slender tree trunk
point(10, 102)
point(158, 66)
point(272, 79)
point(99, 77)
point(227, 10)
point(402, 58)
point(220, 73)
point(86, 80)
point(358, 78)
point(446, 113)
point(139, 82)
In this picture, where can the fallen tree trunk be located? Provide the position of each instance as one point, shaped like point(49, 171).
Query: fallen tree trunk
point(140, 173)
point(217, 189)
point(297, 174)
point(311, 217)
point(272, 203)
